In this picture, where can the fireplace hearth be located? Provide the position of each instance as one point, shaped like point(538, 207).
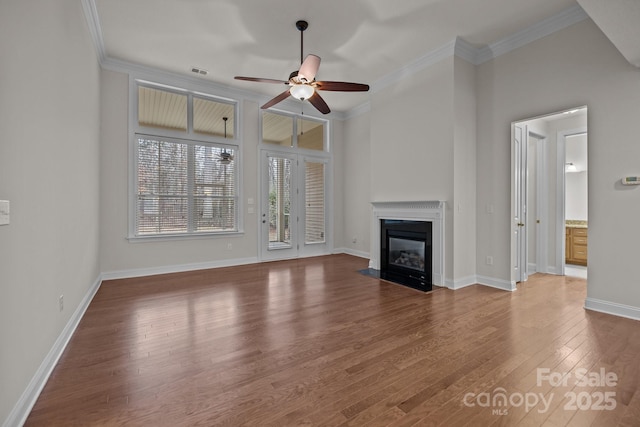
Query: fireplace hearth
point(406, 252)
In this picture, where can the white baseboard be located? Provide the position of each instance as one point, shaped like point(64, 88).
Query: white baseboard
point(496, 283)
point(349, 251)
point(461, 283)
point(532, 268)
point(23, 407)
point(152, 271)
point(613, 308)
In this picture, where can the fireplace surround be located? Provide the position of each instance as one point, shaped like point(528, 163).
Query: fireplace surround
point(418, 211)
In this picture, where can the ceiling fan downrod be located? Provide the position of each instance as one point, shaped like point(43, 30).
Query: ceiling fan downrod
point(301, 26)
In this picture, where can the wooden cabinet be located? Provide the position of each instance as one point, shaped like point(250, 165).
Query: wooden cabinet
point(576, 246)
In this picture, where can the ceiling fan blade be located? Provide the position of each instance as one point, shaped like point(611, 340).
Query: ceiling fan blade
point(317, 101)
point(341, 86)
point(309, 67)
point(284, 95)
point(260, 80)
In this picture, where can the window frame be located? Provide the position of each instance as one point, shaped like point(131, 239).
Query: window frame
point(189, 137)
point(326, 141)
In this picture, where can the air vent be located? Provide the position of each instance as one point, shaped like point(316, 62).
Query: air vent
point(199, 71)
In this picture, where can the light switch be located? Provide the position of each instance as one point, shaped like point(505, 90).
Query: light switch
point(4, 212)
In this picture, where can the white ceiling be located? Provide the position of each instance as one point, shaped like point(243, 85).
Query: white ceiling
point(358, 40)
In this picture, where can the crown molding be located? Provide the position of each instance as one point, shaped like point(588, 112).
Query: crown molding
point(95, 29)
point(361, 109)
point(427, 60)
point(558, 22)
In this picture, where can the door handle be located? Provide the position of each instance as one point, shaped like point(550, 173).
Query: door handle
point(520, 224)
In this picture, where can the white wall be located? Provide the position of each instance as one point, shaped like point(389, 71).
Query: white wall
point(412, 133)
point(576, 196)
point(464, 173)
point(575, 66)
point(49, 171)
point(576, 186)
point(356, 185)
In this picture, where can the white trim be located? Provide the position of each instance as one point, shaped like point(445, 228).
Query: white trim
point(532, 268)
point(95, 28)
point(428, 59)
point(465, 50)
point(613, 308)
point(542, 204)
point(430, 211)
point(497, 283)
point(23, 406)
point(560, 195)
point(361, 109)
point(178, 268)
point(481, 280)
point(558, 22)
point(354, 252)
point(461, 283)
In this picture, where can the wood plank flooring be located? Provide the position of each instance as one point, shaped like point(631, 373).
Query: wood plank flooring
point(312, 342)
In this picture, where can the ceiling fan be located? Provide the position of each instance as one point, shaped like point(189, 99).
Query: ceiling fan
point(302, 83)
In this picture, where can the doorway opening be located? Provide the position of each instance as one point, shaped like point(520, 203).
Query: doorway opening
point(549, 196)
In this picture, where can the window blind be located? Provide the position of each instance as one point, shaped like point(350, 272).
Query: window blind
point(184, 187)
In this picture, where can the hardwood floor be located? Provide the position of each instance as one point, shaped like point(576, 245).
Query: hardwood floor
point(313, 342)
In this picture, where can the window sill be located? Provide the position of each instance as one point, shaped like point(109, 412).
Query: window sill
point(174, 237)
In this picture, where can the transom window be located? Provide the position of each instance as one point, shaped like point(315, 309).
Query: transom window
point(186, 161)
point(279, 129)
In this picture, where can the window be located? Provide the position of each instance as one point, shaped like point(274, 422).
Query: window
point(279, 129)
point(186, 159)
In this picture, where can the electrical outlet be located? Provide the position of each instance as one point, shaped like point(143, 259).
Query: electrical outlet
point(61, 302)
point(229, 246)
point(355, 239)
point(489, 260)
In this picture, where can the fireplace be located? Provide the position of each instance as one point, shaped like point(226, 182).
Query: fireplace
point(406, 252)
point(430, 211)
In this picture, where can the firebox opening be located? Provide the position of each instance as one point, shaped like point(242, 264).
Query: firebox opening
point(406, 252)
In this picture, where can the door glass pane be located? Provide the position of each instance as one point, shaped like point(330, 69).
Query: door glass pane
point(314, 203)
point(279, 202)
point(277, 129)
point(310, 135)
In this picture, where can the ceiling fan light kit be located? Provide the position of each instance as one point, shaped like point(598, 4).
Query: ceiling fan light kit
point(302, 91)
point(303, 84)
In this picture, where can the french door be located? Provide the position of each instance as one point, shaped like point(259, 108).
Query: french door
point(293, 210)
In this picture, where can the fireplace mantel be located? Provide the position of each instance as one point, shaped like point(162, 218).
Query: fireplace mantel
point(430, 211)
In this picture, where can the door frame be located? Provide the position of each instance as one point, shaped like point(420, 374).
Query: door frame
point(561, 154)
point(300, 248)
point(555, 265)
point(518, 220)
